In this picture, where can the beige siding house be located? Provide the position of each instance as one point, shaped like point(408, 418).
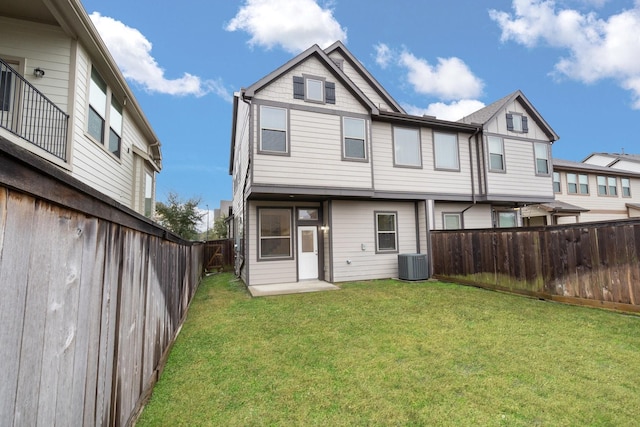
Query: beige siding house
point(332, 180)
point(587, 192)
point(63, 98)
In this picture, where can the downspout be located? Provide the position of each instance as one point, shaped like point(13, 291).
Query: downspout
point(473, 187)
point(429, 242)
point(245, 221)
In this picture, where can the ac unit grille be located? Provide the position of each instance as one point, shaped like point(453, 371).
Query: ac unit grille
point(412, 267)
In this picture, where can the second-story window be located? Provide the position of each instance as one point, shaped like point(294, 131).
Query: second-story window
point(556, 182)
point(104, 124)
point(626, 187)
point(542, 158)
point(445, 146)
point(354, 138)
point(583, 181)
point(607, 186)
point(577, 184)
point(496, 154)
point(273, 130)
point(406, 147)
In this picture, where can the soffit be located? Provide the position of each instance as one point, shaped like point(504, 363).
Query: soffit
point(29, 10)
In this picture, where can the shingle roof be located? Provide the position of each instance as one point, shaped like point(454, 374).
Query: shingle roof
point(558, 206)
point(486, 114)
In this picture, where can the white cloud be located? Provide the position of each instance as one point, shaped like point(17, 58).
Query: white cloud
point(451, 79)
point(383, 55)
point(597, 48)
point(293, 25)
point(132, 52)
point(453, 111)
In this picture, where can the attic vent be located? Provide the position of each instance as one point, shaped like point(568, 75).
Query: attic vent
point(412, 267)
point(339, 63)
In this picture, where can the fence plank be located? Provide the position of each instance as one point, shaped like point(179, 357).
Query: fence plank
point(16, 225)
point(87, 351)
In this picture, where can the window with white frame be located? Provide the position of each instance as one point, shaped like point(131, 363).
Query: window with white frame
point(445, 146)
point(406, 146)
point(496, 154)
point(572, 183)
point(625, 183)
point(577, 183)
point(557, 188)
point(541, 151)
point(583, 184)
point(386, 232)
point(273, 129)
point(517, 123)
point(607, 186)
point(104, 117)
point(452, 221)
point(314, 89)
point(354, 131)
point(274, 233)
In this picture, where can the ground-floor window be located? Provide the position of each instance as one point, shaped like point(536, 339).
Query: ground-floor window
point(386, 232)
point(452, 221)
point(274, 233)
point(507, 219)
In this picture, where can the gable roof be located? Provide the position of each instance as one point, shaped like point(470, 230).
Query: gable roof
point(616, 157)
point(488, 113)
point(321, 55)
point(339, 47)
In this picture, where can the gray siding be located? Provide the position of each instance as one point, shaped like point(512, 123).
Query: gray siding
point(353, 226)
point(315, 155)
point(418, 180)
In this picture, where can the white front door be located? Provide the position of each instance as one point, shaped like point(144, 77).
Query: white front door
point(307, 252)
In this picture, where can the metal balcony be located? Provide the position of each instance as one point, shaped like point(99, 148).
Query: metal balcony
point(27, 113)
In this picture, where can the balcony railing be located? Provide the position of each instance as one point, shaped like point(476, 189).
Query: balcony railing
point(26, 112)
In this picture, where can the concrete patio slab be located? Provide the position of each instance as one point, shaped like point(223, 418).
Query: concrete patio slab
point(291, 288)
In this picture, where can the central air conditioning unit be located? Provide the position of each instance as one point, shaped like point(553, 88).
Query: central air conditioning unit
point(413, 267)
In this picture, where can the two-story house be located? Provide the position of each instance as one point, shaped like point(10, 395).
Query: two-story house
point(587, 192)
point(63, 98)
point(332, 179)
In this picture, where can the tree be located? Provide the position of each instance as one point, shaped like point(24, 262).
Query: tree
point(220, 227)
point(181, 217)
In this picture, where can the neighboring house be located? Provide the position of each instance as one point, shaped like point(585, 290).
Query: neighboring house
point(223, 210)
point(332, 179)
point(630, 162)
point(63, 98)
point(588, 192)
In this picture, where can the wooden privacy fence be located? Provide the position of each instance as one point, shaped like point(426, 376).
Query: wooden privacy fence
point(218, 254)
point(595, 264)
point(92, 296)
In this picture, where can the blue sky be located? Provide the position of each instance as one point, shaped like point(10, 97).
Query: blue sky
point(577, 61)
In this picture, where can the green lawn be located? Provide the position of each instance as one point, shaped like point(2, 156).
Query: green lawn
point(391, 353)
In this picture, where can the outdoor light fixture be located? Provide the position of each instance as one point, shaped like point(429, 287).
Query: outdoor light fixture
point(38, 72)
point(324, 228)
